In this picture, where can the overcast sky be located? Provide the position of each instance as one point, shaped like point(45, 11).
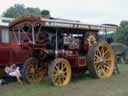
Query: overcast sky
point(89, 11)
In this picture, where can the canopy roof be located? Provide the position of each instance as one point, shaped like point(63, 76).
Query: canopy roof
point(54, 22)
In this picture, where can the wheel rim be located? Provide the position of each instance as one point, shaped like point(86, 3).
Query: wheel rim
point(104, 61)
point(61, 73)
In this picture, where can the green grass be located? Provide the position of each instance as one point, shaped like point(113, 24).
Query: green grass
point(83, 85)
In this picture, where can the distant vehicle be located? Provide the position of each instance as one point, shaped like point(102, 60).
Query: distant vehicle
point(121, 52)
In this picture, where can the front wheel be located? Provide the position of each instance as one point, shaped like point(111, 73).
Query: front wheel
point(60, 72)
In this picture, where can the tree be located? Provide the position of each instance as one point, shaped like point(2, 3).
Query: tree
point(45, 12)
point(122, 33)
point(21, 10)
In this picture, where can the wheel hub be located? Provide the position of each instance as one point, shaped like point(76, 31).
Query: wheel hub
point(102, 60)
point(61, 73)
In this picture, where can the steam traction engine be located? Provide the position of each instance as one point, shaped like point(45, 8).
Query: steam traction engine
point(59, 48)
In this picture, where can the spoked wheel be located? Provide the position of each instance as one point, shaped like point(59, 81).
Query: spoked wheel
point(101, 60)
point(91, 39)
point(32, 71)
point(60, 72)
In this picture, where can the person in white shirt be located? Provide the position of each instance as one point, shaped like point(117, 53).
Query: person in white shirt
point(13, 71)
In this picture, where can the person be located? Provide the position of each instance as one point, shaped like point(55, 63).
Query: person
point(124, 53)
point(109, 40)
point(13, 71)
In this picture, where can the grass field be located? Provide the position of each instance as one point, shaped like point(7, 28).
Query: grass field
point(83, 85)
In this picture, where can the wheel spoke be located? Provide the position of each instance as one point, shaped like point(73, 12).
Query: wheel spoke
point(62, 80)
point(97, 61)
point(106, 52)
point(55, 74)
point(57, 68)
point(107, 55)
point(96, 56)
point(98, 52)
point(107, 59)
point(63, 66)
point(102, 51)
point(98, 66)
point(59, 80)
point(103, 71)
point(106, 66)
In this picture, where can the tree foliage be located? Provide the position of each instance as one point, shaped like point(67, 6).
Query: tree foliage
point(21, 10)
point(122, 33)
point(45, 12)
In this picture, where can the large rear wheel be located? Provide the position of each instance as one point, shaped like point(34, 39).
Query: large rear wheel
point(101, 60)
point(33, 71)
point(60, 72)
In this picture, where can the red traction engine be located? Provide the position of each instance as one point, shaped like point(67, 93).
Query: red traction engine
point(58, 49)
